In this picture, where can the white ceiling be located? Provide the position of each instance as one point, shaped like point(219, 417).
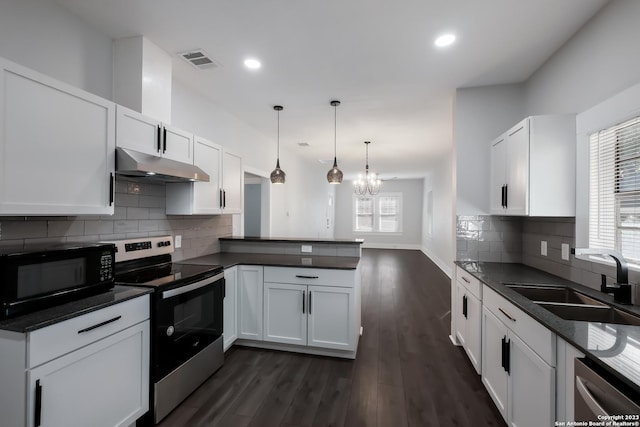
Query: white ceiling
point(376, 56)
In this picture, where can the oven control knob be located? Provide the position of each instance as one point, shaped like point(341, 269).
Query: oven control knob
point(170, 330)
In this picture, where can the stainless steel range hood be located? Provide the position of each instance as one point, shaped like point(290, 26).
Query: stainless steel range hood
point(133, 163)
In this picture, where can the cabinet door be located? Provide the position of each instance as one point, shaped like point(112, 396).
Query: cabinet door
point(207, 156)
point(138, 132)
point(56, 146)
point(494, 376)
point(531, 387)
point(230, 321)
point(177, 144)
point(518, 169)
point(285, 313)
point(458, 312)
point(331, 321)
point(473, 337)
point(498, 177)
point(250, 284)
point(103, 384)
point(232, 183)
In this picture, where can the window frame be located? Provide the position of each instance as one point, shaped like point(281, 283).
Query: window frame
point(616, 110)
point(376, 215)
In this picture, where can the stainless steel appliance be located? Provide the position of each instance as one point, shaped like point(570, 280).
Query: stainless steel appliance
point(186, 318)
point(599, 399)
point(41, 277)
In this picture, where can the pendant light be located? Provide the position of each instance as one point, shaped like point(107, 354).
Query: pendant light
point(369, 183)
point(278, 175)
point(334, 176)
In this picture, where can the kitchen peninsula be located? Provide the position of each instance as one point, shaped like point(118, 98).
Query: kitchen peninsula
point(293, 294)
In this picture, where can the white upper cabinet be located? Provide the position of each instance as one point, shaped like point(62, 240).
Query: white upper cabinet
point(56, 146)
point(223, 192)
point(147, 135)
point(533, 168)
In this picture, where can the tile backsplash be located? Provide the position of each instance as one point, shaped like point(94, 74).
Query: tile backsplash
point(139, 212)
point(517, 239)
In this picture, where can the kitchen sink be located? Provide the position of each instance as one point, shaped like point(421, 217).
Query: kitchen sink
point(590, 313)
point(553, 294)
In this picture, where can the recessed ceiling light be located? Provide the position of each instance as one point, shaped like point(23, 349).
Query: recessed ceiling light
point(252, 64)
point(445, 40)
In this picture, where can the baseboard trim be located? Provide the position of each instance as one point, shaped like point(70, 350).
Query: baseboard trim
point(445, 267)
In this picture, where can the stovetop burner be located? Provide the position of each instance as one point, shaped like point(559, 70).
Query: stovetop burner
point(147, 262)
point(166, 274)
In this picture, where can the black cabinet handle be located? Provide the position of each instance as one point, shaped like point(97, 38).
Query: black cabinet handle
point(164, 139)
point(111, 185)
point(303, 298)
point(224, 198)
point(464, 306)
point(37, 416)
point(98, 325)
point(306, 277)
point(220, 191)
point(506, 195)
point(510, 317)
point(503, 353)
point(502, 197)
point(507, 356)
point(158, 140)
point(465, 279)
point(309, 302)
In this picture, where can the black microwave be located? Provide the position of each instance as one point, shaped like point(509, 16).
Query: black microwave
point(33, 279)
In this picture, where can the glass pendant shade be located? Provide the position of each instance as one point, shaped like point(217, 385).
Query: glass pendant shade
point(334, 176)
point(278, 176)
point(369, 183)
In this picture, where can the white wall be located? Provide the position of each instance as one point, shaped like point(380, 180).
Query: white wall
point(41, 35)
point(598, 62)
point(440, 246)
point(410, 238)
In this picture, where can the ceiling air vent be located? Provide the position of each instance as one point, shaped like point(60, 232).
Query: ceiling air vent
point(199, 59)
point(303, 144)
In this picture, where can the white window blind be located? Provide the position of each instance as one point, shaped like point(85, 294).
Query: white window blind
point(614, 189)
point(381, 213)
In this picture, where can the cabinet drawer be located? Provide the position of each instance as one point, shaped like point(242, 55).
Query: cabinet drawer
point(53, 341)
point(540, 339)
point(468, 281)
point(310, 276)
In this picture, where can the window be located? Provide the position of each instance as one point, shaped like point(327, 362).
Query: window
point(614, 189)
point(381, 213)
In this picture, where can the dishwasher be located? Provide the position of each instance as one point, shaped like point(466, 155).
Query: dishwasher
point(597, 399)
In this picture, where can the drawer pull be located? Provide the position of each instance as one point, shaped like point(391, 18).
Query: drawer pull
point(510, 317)
point(306, 277)
point(98, 325)
point(465, 279)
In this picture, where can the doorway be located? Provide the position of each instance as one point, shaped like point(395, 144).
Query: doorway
point(256, 205)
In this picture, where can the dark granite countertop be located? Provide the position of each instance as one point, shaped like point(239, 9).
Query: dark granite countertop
point(49, 316)
point(291, 240)
point(227, 260)
point(621, 358)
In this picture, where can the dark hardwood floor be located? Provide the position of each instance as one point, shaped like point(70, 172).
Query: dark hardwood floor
point(407, 372)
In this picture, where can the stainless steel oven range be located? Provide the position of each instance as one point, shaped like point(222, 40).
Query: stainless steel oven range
point(186, 319)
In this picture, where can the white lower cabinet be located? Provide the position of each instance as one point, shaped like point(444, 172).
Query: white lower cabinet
point(230, 319)
point(321, 315)
point(103, 384)
point(90, 370)
point(519, 375)
point(467, 310)
point(250, 297)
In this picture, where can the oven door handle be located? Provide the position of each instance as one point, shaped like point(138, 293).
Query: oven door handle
point(192, 287)
point(588, 398)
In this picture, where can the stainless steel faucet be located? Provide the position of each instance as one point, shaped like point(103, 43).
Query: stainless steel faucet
point(621, 290)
